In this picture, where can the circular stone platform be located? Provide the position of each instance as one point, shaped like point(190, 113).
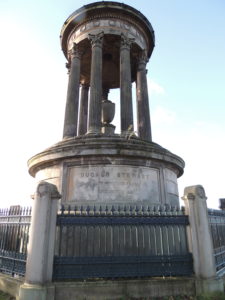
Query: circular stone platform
point(100, 170)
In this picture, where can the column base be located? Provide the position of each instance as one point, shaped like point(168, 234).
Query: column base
point(36, 292)
point(93, 131)
point(205, 286)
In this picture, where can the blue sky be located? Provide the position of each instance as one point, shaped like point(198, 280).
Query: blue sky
point(186, 76)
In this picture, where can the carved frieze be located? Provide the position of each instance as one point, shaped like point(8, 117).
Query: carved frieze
point(109, 26)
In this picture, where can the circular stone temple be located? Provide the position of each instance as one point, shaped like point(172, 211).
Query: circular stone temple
point(107, 46)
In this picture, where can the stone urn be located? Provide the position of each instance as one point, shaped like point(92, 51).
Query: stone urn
point(108, 111)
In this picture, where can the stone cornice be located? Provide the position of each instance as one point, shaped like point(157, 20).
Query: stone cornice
point(100, 145)
point(101, 10)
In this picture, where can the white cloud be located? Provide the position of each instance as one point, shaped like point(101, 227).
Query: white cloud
point(33, 93)
point(155, 88)
point(201, 144)
point(202, 147)
point(162, 115)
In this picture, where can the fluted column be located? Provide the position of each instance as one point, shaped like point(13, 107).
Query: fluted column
point(94, 105)
point(83, 108)
point(71, 112)
point(143, 114)
point(126, 110)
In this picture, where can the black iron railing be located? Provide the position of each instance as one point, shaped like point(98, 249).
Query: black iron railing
point(109, 242)
point(14, 234)
point(217, 224)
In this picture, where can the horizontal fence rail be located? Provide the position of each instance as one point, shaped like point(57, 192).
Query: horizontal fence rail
point(14, 234)
point(217, 224)
point(113, 242)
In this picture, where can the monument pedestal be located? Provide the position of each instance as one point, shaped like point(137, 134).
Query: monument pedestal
point(102, 170)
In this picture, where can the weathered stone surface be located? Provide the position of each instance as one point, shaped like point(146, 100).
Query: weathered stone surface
point(10, 285)
point(126, 110)
point(39, 265)
point(126, 289)
point(115, 19)
point(71, 111)
point(112, 184)
point(143, 114)
point(94, 105)
point(83, 110)
point(63, 164)
point(200, 237)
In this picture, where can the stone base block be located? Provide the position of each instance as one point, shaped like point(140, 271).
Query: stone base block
point(124, 289)
point(10, 285)
point(209, 285)
point(111, 289)
point(36, 292)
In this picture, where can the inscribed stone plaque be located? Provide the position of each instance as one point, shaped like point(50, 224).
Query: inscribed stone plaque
point(112, 184)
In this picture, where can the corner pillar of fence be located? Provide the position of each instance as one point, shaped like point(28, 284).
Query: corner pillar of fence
point(200, 240)
point(41, 244)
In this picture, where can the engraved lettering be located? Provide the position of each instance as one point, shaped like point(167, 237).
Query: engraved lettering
point(109, 184)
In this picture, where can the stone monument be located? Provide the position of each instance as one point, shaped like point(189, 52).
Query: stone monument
point(107, 46)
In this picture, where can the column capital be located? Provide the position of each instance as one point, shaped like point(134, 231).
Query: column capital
point(75, 51)
point(142, 60)
point(45, 188)
point(125, 42)
point(96, 39)
point(195, 192)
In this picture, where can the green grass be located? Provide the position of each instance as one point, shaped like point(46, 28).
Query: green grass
point(209, 296)
point(4, 296)
point(212, 296)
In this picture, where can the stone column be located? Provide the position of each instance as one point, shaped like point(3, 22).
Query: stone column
point(200, 240)
point(143, 114)
point(71, 112)
point(41, 245)
point(126, 109)
point(94, 105)
point(83, 109)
